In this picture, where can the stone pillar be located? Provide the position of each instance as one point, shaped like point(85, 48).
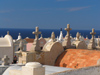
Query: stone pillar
point(92, 41)
point(36, 46)
point(53, 36)
point(98, 42)
point(33, 68)
point(77, 36)
point(67, 41)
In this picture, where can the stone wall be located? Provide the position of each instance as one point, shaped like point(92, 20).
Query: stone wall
point(93, 70)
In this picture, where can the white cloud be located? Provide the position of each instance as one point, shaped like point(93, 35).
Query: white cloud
point(60, 9)
point(77, 8)
point(4, 11)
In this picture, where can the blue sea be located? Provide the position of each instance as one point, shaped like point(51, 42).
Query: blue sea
point(45, 32)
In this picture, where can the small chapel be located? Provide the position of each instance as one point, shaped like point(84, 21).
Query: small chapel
point(17, 42)
point(6, 46)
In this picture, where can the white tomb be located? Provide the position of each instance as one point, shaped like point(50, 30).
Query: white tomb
point(6, 46)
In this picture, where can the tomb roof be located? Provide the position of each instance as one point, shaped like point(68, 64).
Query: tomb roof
point(78, 58)
point(29, 40)
point(48, 69)
point(7, 41)
point(4, 42)
point(48, 46)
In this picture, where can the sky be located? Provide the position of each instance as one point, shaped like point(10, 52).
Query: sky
point(50, 14)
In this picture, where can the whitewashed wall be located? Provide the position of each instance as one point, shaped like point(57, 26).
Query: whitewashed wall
point(7, 51)
point(93, 70)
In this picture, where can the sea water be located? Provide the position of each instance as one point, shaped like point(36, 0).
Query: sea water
point(45, 32)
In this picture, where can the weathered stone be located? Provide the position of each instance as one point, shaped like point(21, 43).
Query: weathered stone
point(36, 46)
point(78, 35)
point(31, 68)
point(67, 41)
point(92, 41)
point(53, 36)
point(5, 60)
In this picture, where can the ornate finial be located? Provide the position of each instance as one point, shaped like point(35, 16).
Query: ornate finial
point(19, 36)
point(7, 32)
point(53, 36)
point(78, 35)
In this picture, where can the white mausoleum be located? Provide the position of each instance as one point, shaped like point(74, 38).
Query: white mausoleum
point(6, 46)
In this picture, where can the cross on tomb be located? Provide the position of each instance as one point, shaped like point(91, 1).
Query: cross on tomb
point(5, 60)
point(93, 33)
point(36, 32)
point(68, 29)
point(67, 42)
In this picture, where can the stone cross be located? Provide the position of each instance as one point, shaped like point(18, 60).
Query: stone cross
point(36, 45)
point(78, 35)
point(67, 42)
point(68, 29)
point(5, 60)
point(92, 33)
point(37, 33)
point(53, 36)
point(91, 45)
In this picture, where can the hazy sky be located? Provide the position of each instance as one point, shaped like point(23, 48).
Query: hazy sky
point(50, 14)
